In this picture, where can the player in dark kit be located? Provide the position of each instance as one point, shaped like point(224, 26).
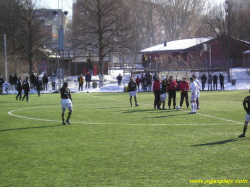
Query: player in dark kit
point(171, 89)
point(66, 102)
point(163, 93)
point(19, 88)
point(184, 87)
point(26, 89)
point(132, 87)
point(246, 104)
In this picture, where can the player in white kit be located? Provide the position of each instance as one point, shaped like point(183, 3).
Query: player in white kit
point(194, 88)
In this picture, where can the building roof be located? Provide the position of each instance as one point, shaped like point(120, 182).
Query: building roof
point(177, 45)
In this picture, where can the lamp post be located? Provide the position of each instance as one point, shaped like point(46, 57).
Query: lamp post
point(60, 25)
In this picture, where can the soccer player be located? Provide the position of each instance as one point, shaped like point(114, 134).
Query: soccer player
point(156, 91)
point(194, 88)
point(246, 104)
point(26, 89)
point(198, 91)
point(163, 92)
point(19, 88)
point(132, 87)
point(66, 102)
point(184, 87)
point(171, 89)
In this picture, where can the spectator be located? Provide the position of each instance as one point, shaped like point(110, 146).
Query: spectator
point(101, 79)
point(203, 81)
point(53, 81)
point(119, 79)
point(11, 82)
point(221, 77)
point(88, 79)
point(210, 80)
point(138, 81)
point(15, 81)
point(45, 81)
point(81, 82)
point(215, 81)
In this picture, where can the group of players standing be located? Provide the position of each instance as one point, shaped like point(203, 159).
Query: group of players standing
point(164, 88)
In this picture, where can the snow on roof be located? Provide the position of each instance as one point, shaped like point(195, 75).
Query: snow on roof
point(245, 52)
point(177, 45)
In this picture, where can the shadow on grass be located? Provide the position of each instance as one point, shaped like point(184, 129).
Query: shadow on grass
point(41, 127)
point(168, 116)
point(220, 142)
point(134, 111)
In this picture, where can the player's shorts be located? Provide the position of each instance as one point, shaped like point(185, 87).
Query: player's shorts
point(163, 97)
point(66, 103)
point(193, 97)
point(133, 93)
point(247, 117)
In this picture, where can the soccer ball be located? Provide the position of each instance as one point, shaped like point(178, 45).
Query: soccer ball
point(178, 108)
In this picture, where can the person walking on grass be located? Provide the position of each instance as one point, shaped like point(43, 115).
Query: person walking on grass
point(246, 105)
point(132, 87)
point(26, 89)
point(19, 89)
point(66, 103)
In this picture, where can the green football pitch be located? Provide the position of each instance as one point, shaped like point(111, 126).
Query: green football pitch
point(112, 144)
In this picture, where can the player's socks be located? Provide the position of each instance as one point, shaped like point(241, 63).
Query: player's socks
point(63, 119)
point(195, 107)
point(192, 106)
point(244, 130)
point(69, 114)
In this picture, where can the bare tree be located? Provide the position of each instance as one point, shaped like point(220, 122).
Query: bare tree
point(178, 16)
point(103, 27)
point(225, 23)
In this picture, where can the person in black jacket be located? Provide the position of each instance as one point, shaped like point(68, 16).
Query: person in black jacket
point(39, 85)
point(1, 84)
point(11, 82)
point(32, 80)
point(246, 105)
point(132, 87)
point(45, 81)
point(19, 88)
point(26, 89)
point(15, 81)
point(66, 102)
point(215, 81)
point(221, 77)
point(119, 79)
point(203, 81)
point(210, 81)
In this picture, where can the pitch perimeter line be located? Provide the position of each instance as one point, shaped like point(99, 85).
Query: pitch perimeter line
point(91, 123)
point(181, 110)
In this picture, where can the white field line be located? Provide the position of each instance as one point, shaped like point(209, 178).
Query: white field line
point(181, 110)
point(91, 123)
